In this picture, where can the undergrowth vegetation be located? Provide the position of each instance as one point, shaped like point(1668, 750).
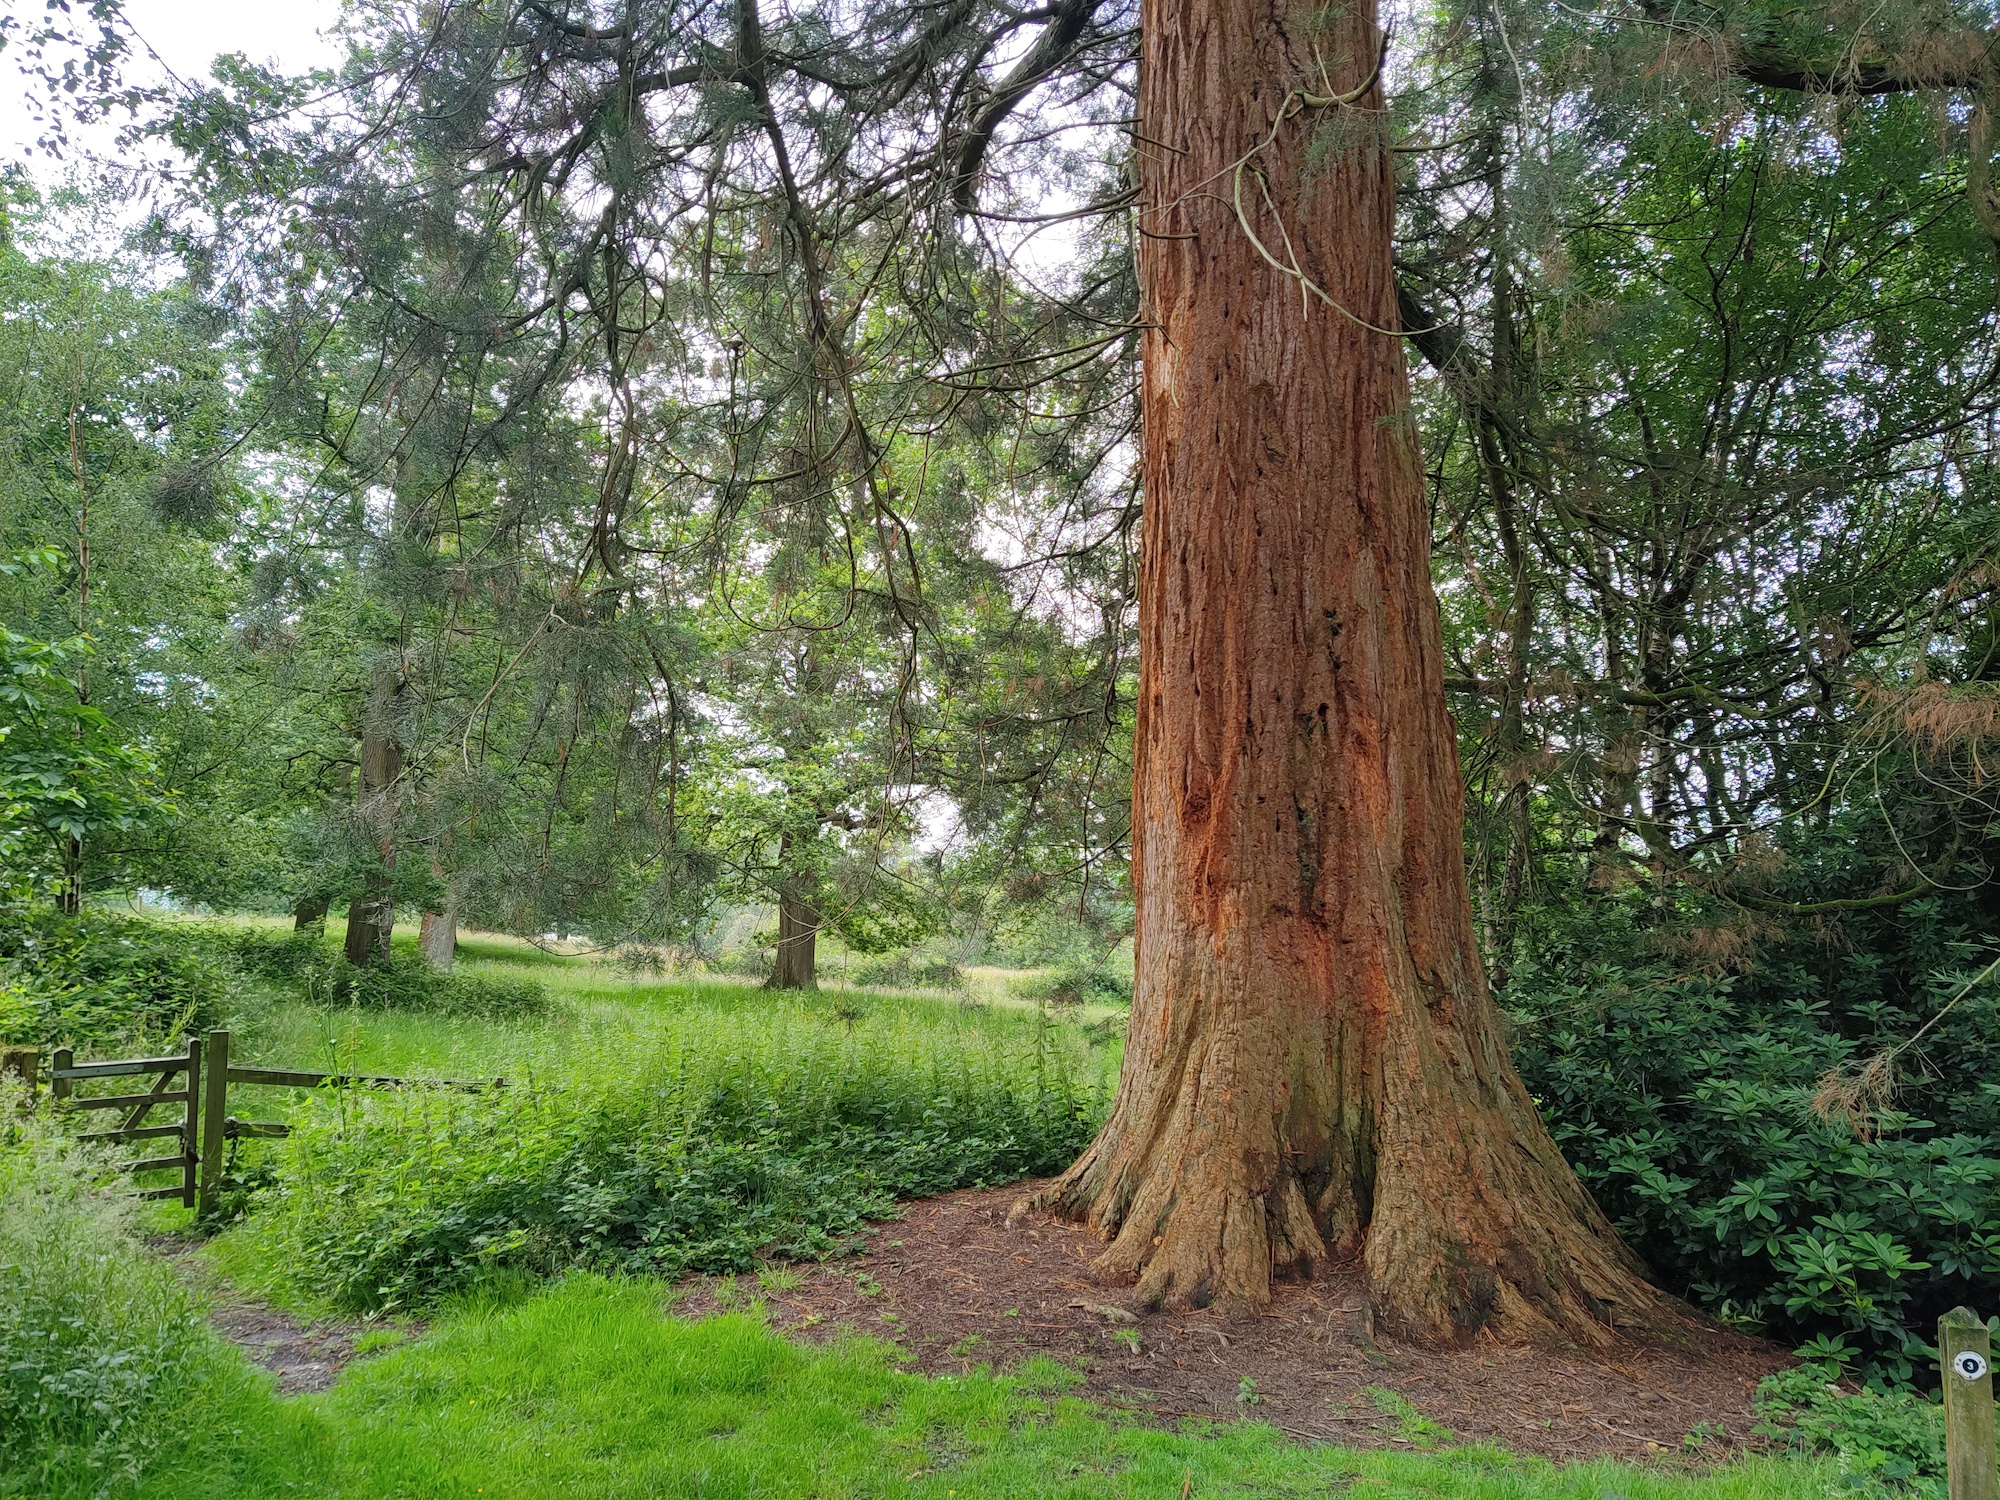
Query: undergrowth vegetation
point(104, 978)
point(1080, 980)
point(401, 981)
point(733, 1130)
point(1884, 1440)
point(101, 1344)
point(1724, 1111)
point(910, 971)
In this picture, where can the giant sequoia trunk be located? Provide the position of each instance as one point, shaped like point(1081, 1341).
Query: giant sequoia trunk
point(1314, 1069)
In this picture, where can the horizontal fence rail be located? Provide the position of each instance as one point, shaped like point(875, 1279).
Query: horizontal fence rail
point(134, 1133)
point(286, 1078)
point(204, 1075)
point(126, 1101)
point(237, 1130)
point(118, 1068)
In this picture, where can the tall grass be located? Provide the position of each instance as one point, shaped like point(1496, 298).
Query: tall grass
point(729, 1126)
point(101, 1346)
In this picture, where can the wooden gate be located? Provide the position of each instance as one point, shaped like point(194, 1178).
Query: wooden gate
point(65, 1073)
point(205, 1126)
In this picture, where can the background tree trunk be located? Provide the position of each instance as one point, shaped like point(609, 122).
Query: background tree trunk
point(437, 937)
point(371, 924)
point(371, 916)
point(798, 942)
point(1314, 1067)
point(1497, 464)
point(309, 912)
point(69, 894)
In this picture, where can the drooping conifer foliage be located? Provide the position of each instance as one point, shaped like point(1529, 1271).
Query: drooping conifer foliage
point(674, 299)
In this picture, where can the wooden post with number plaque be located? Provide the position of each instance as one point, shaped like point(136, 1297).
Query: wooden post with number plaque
point(1966, 1354)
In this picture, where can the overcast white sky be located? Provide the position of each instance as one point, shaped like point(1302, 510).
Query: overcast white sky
point(188, 35)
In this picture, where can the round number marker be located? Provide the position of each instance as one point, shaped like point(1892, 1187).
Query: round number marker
point(1970, 1366)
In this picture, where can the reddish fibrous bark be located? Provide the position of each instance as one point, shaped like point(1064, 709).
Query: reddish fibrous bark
point(1314, 1068)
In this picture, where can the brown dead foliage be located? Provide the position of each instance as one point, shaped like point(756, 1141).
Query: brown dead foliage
point(1948, 721)
point(1726, 948)
point(1856, 1097)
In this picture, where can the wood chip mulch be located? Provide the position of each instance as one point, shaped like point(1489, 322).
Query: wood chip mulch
point(958, 1288)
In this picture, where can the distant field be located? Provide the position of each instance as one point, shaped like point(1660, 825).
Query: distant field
point(604, 1008)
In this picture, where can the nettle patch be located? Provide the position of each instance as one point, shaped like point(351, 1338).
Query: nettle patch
point(783, 1133)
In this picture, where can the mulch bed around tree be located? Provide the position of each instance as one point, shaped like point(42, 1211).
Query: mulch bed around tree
point(958, 1288)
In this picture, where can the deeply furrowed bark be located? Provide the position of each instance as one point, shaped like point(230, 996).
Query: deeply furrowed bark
point(1314, 1068)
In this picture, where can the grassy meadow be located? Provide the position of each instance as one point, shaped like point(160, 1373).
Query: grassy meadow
point(603, 1009)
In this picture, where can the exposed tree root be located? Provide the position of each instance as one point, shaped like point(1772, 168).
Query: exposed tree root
point(1263, 1128)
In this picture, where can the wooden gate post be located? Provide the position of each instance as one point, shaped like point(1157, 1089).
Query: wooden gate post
point(60, 1088)
point(215, 1115)
point(191, 1125)
point(24, 1063)
point(1967, 1356)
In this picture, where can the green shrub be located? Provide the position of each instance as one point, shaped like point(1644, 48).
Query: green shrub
point(100, 1344)
point(910, 971)
point(401, 982)
point(1687, 1103)
point(1890, 1440)
point(494, 996)
point(781, 1130)
point(101, 980)
point(741, 963)
point(1079, 981)
point(268, 953)
point(406, 982)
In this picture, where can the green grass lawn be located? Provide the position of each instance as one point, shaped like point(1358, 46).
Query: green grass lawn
point(592, 1388)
